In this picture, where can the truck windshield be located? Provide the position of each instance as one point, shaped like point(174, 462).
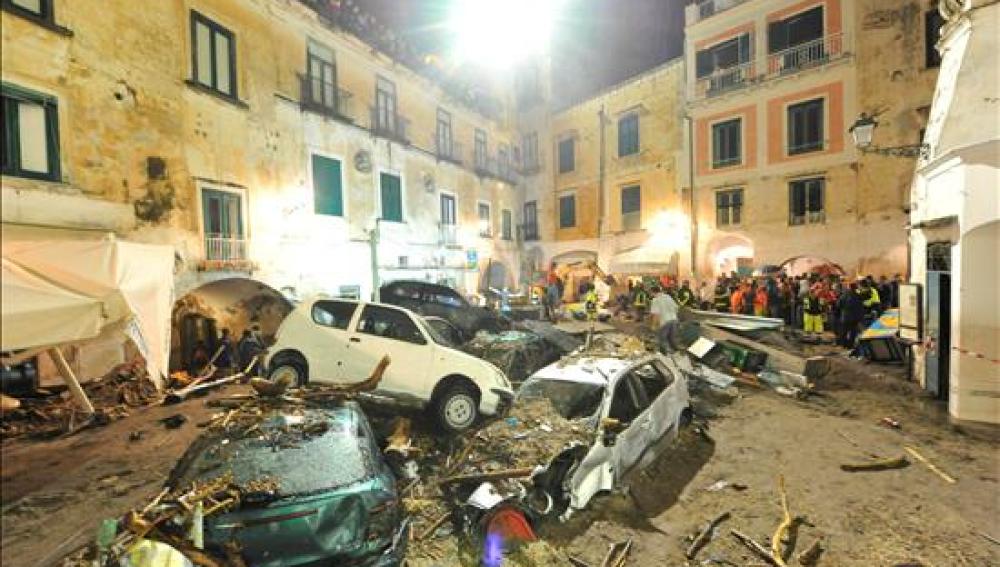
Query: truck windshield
point(573, 400)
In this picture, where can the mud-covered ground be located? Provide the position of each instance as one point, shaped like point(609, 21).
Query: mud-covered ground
point(54, 493)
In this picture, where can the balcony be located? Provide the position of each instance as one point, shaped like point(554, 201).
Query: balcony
point(324, 98)
point(805, 55)
point(225, 252)
point(528, 232)
point(531, 166)
point(488, 166)
point(448, 151)
point(388, 125)
point(784, 63)
point(448, 234)
point(725, 80)
point(707, 8)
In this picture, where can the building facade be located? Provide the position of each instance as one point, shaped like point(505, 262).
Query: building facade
point(265, 140)
point(772, 88)
point(955, 220)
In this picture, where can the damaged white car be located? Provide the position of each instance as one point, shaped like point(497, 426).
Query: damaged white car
point(634, 406)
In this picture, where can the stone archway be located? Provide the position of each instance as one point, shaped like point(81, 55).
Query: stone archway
point(799, 265)
point(730, 253)
point(237, 304)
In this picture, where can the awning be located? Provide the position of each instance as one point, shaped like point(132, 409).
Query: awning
point(643, 260)
point(58, 290)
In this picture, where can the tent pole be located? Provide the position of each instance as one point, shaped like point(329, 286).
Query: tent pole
point(70, 378)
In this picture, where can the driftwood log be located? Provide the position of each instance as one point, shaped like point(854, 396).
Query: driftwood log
point(877, 465)
point(706, 535)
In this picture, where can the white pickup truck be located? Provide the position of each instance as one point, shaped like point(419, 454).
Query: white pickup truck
point(340, 341)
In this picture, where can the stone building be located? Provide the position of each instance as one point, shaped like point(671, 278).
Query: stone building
point(261, 139)
point(772, 88)
point(955, 219)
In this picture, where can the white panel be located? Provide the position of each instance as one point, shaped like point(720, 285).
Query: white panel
point(34, 152)
point(203, 49)
point(222, 48)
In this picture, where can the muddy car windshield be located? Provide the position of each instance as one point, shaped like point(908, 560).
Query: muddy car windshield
point(573, 400)
point(319, 451)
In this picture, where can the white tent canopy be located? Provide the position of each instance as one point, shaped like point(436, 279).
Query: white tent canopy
point(58, 290)
point(644, 260)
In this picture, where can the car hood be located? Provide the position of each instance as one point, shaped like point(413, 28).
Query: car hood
point(327, 526)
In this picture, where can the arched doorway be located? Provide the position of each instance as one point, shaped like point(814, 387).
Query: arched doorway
point(236, 304)
point(731, 253)
point(801, 265)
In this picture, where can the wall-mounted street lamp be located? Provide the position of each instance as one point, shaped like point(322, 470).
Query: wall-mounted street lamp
point(863, 130)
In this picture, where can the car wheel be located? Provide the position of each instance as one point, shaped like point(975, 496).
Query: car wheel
point(289, 371)
point(457, 408)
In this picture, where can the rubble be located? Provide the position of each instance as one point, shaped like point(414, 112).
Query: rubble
point(517, 353)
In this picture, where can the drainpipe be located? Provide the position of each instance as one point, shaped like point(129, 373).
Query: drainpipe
point(691, 203)
point(373, 238)
point(600, 177)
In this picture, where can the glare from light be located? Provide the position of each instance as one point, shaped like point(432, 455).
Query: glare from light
point(501, 33)
point(669, 230)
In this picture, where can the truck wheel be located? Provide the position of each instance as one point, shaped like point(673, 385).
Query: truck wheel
point(290, 371)
point(457, 407)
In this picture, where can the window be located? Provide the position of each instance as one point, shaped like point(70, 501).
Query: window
point(389, 323)
point(506, 225)
point(321, 76)
point(485, 228)
point(33, 8)
point(805, 201)
point(391, 191)
point(726, 143)
point(385, 106)
point(629, 399)
point(336, 314)
point(654, 379)
point(503, 161)
point(448, 210)
point(30, 134)
point(213, 55)
point(480, 149)
point(799, 29)
point(805, 127)
point(567, 211)
point(223, 222)
point(932, 33)
point(328, 192)
point(729, 207)
point(631, 208)
point(531, 220)
point(444, 140)
point(628, 134)
point(567, 156)
point(721, 56)
point(531, 151)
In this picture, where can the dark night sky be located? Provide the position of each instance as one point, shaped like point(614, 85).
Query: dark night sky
point(596, 43)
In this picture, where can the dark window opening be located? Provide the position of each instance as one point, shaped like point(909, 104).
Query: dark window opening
point(213, 56)
point(445, 145)
point(328, 195)
point(485, 224)
point(797, 30)
point(567, 156)
point(805, 127)
point(531, 220)
point(391, 192)
point(321, 77)
point(385, 106)
point(628, 135)
point(806, 201)
point(932, 33)
point(726, 143)
point(725, 55)
point(631, 207)
point(567, 211)
point(506, 225)
point(729, 207)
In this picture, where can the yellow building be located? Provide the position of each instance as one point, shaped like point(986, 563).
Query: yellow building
point(609, 186)
point(772, 88)
point(277, 152)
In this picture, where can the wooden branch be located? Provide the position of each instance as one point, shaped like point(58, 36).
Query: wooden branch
point(879, 465)
point(776, 552)
point(706, 535)
point(755, 547)
point(494, 475)
point(811, 555)
point(433, 527)
point(947, 477)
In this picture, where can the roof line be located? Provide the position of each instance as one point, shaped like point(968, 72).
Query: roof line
point(620, 84)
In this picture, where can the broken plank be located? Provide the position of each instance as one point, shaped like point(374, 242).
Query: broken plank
point(878, 465)
point(945, 476)
point(755, 547)
point(812, 367)
point(493, 475)
point(706, 535)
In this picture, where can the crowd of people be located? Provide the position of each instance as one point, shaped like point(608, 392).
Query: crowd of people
point(814, 303)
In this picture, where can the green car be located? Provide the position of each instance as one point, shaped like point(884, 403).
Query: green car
point(320, 492)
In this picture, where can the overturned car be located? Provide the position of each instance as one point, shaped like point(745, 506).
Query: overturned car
point(633, 405)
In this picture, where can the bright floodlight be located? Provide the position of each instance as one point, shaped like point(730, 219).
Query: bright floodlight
point(499, 33)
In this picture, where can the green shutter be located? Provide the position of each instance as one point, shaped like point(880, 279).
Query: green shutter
point(328, 193)
point(392, 198)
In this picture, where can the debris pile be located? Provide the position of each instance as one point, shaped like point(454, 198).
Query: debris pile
point(517, 353)
point(54, 412)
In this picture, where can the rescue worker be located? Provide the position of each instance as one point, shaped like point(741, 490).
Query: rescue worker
point(736, 300)
point(760, 302)
point(812, 314)
point(641, 301)
point(685, 297)
point(871, 300)
point(590, 303)
point(721, 300)
point(227, 358)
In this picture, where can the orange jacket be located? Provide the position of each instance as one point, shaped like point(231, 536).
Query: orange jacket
point(736, 301)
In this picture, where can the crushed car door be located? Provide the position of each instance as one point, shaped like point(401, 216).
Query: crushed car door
point(326, 349)
point(665, 403)
point(629, 406)
point(383, 330)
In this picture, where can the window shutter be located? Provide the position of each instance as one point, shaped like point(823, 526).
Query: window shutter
point(744, 48)
point(327, 191)
point(777, 37)
point(392, 198)
point(703, 63)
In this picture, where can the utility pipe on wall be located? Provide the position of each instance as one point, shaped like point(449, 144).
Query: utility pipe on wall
point(693, 216)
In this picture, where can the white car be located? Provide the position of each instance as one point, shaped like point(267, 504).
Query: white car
point(633, 405)
point(340, 341)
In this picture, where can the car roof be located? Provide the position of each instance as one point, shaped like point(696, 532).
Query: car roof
point(587, 369)
point(314, 299)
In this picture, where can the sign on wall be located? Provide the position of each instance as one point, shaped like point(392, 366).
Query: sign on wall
point(910, 311)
